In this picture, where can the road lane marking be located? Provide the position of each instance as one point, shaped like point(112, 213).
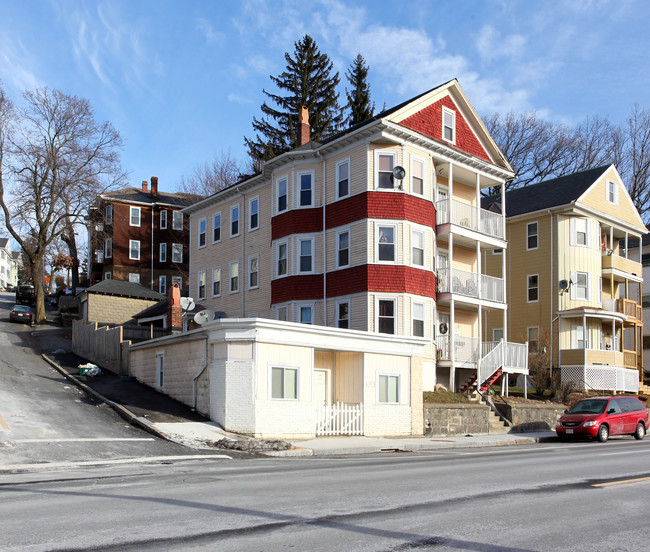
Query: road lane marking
point(626, 452)
point(88, 440)
point(3, 424)
point(46, 466)
point(624, 483)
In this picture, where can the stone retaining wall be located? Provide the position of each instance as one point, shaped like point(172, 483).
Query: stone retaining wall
point(456, 419)
point(532, 417)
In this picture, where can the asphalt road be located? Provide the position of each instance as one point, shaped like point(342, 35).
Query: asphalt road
point(46, 419)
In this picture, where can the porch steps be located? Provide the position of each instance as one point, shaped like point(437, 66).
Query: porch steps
point(644, 389)
point(496, 425)
point(470, 385)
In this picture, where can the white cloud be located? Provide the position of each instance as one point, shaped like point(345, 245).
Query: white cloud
point(211, 36)
point(493, 46)
point(15, 63)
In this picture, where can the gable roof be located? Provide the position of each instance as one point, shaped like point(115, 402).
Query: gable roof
point(4, 242)
point(124, 289)
point(547, 194)
point(137, 195)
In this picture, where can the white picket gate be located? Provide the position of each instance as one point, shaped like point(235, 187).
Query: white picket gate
point(340, 419)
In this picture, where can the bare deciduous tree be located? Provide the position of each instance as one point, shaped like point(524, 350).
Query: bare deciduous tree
point(209, 178)
point(54, 159)
point(635, 167)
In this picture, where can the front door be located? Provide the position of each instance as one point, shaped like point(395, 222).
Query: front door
point(320, 387)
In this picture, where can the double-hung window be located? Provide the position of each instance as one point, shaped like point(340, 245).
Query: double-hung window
point(532, 288)
point(253, 272)
point(386, 245)
point(306, 313)
point(417, 247)
point(177, 220)
point(343, 249)
point(581, 286)
point(417, 176)
point(134, 277)
point(306, 255)
point(234, 277)
point(388, 388)
point(162, 255)
point(532, 236)
point(203, 229)
point(417, 316)
point(284, 383)
point(343, 314)
point(612, 192)
point(254, 214)
point(163, 219)
point(108, 214)
point(134, 250)
point(532, 334)
point(385, 165)
point(216, 281)
point(234, 221)
point(281, 252)
point(201, 285)
point(306, 183)
point(135, 216)
point(580, 234)
point(281, 195)
point(578, 337)
point(177, 252)
point(343, 178)
point(448, 125)
point(386, 316)
point(108, 248)
point(162, 284)
point(216, 227)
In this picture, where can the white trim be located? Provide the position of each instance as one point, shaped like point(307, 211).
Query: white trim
point(108, 248)
point(423, 235)
point(338, 318)
point(452, 113)
point(278, 245)
point(284, 368)
point(163, 219)
point(388, 153)
point(201, 274)
point(177, 220)
point(203, 233)
point(212, 281)
point(609, 182)
point(312, 254)
point(135, 210)
point(378, 241)
point(214, 215)
point(177, 247)
point(234, 208)
point(528, 225)
point(312, 191)
point(131, 244)
point(396, 375)
point(251, 258)
point(252, 228)
point(529, 287)
point(393, 299)
point(305, 305)
point(415, 159)
point(160, 370)
point(162, 284)
point(230, 276)
point(338, 248)
point(276, 194)
point(339, 164)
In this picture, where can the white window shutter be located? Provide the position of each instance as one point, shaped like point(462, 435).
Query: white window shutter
point(572, 231)
point(574, 279)
point(589, 292)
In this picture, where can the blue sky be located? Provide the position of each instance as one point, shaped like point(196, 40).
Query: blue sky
point(181, 80)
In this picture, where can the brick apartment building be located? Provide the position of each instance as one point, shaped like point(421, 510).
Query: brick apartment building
point(140, 235)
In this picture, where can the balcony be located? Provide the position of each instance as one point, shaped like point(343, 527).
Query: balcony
point(470, 217)
point(612, 262)
point(629, 308)
point(471, 284)
point(490, 355)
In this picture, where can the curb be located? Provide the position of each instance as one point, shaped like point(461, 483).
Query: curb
point(124, 412)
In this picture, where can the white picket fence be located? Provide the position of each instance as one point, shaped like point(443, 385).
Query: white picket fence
point(340, 419)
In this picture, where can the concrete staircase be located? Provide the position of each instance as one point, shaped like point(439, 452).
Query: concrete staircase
point(496, 425)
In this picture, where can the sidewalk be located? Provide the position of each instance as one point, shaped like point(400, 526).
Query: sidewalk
point(165, 417)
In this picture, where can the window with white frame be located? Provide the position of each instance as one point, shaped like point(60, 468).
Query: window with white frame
point(203, 230)
point(201, 282)
point(234, 277)
point(282, 254)
point(108, 248)
point(306, 193)
point(281, 195)
point(162, 255)
point(386, 316)
point(388, 388)
point(580, 235)
point(134, 250)
point(234, 221)
point(448, 125)
point(135, 216)
point(343, 314)
point(532, 336)
point(216, 281)
point(343, 249)
point(532, 287)
point(306, 313)
point(306, 255)
point(177, 252)
point(385, 165)
point(497, 334)
point(216, 227)
point(254, 214)
point(99, 255)
point(177, 280)
point(417, 247)
point(386, 245)
point(417, 316)
point(281, 314)
point(612, 192)
point(163, 219)
point(417, 176)
point(177, 220)
point(578, 337)
point(284, 383)
point(253, 272)
point(134, 277)
point(162, 285)
point(108, 214)
point(160, 370)
point(108, 276)
point(343, 178)
point(581, 280)
point(532, 236)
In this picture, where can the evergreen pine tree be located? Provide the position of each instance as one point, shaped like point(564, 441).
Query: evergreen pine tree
point(308, 80)
point(359, 105)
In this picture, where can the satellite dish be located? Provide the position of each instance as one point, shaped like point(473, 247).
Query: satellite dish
point(203, 317)
point(399, 172)
point(564, 285)
point(187, 303)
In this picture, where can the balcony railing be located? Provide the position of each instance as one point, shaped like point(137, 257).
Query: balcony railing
point(628, 307)
point(513, 357)
point(471, 284)
point(470, 216)
point(601, 378)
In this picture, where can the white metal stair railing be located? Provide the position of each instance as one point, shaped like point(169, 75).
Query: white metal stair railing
point(340, 419)
point(502, 354)
point(490, 363)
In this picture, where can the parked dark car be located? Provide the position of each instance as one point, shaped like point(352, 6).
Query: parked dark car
point(600, 417)
point(25, 295)
point(21, 313)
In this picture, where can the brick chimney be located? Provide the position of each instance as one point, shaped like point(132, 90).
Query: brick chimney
point(303, 136)
point(175, 312)
point(144, 186)
point(154, 186)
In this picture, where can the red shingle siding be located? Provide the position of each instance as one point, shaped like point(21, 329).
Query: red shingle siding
point(297, 288)
point(347, 281)
point(429, 121)
point(381, 205)
point(381, 278)
point(297, 221)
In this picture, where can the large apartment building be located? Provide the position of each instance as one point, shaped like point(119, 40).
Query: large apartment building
point(376, 229)
point(8, 265)
point(574, 275)
point(140, 235)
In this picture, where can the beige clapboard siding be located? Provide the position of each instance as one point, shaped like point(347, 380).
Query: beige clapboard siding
point(358, 171)
point(349, 377)
point(270, 354)
point(358, 244)
point(371, 160)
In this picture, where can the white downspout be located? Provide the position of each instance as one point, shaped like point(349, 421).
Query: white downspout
point(195, 378)
point(551, 313)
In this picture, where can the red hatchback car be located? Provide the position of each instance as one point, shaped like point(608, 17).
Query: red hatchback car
point(600, 417)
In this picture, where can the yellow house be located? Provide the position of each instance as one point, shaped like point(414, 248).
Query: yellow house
point(574, 277)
